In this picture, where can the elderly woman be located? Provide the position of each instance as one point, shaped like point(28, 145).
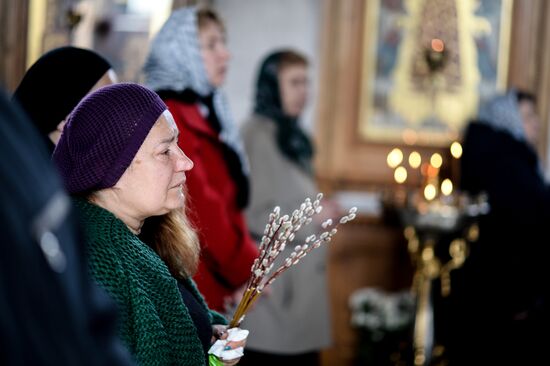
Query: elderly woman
point(119, 155)
point(56, 82)
point(187, 66)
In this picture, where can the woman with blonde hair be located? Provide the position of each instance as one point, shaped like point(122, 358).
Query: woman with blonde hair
point(118, 155)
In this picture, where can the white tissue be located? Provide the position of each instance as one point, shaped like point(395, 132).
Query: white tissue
point(233, 335)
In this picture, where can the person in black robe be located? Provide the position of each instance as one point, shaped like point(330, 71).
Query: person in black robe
point(498, 308)
point(51, 313)
point(55, 84)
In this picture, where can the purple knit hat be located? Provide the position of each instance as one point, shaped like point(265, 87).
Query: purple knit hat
point(103, 134)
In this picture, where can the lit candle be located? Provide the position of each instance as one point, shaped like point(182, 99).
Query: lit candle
point(436, 160)
point(430, 192)
point(446, 187)
point(395, 157)
point(400, 175)
point(415, 159)
point(456, 150)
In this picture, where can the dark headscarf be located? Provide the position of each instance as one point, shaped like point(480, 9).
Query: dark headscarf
point(54, 85)
point(291, 139)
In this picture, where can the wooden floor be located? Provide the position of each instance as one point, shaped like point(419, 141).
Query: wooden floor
point(366, 253)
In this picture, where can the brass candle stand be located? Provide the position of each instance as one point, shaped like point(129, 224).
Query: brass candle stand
point(429, 225)
point(440, 223)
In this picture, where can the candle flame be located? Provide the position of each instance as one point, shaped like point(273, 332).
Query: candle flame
point(400, 175)
point(446, 187)
point(430, 192)
point(436, 160)
point(395, 157)
point(456, 150)
point(415, 159)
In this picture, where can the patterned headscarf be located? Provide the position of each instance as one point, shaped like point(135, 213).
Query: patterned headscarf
point(175, 63)
point(502, 113)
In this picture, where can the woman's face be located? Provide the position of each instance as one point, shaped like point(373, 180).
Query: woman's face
point(154, 182)
point(531, 122)
point(214, 52)
point(108, 78)
point(293, 85)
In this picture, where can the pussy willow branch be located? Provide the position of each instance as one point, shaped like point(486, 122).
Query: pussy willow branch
point(277, 232)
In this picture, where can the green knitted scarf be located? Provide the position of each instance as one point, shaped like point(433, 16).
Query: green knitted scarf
point(155, 324)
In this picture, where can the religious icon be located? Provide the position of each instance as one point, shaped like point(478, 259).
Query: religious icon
point(427, 64)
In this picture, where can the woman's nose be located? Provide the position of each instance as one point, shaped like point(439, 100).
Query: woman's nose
point(224, 53)
point(183, 162)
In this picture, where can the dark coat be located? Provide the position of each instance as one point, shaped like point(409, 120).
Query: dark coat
point(498, 297)
point(50, 311)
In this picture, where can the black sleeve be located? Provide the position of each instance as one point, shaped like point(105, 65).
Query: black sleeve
point(51, 313)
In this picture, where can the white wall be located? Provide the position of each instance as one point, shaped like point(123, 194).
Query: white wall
point(255, 28)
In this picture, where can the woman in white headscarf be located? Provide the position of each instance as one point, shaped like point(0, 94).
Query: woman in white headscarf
point(186, 66)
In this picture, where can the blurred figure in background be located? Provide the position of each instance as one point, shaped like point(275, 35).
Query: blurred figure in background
point(56, 82)
point(499, 298)
point(51, 313)
point(187, 65)
point(292, 324)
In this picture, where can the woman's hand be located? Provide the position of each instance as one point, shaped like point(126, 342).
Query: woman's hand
point(219, 332)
